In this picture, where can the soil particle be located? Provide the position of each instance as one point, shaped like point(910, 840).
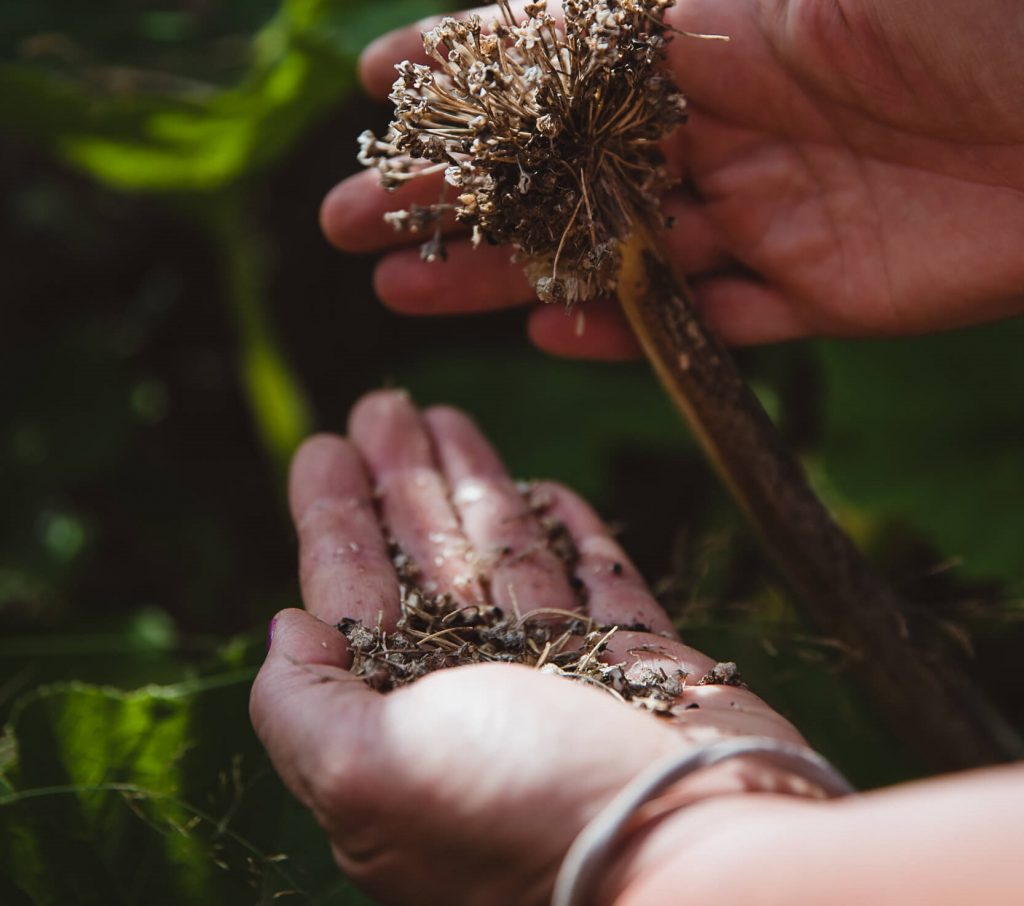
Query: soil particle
point(723, 674)
point(436, 632)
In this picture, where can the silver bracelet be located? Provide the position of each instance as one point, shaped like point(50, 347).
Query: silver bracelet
point(588, 856)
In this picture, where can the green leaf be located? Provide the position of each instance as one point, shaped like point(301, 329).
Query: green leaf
point(931, 431)
point(166, 133)
point(158, 796)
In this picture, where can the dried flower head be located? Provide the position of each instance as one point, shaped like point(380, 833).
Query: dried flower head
point(547, 136)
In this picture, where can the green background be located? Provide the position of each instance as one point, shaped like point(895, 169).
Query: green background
point(173, 324)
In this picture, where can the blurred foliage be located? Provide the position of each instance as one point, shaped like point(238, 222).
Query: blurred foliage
point(139, 128)
point(143, 128)
point(532, 427)
point(130, 797)
point(931, 430)
point(173, 325)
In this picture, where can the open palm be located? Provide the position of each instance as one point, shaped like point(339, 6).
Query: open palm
point(849, 169)
point(469, 785)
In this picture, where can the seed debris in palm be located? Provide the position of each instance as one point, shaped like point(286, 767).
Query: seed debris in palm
point(436, 632)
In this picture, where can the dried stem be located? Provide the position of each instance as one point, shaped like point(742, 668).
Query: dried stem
point(910, 672)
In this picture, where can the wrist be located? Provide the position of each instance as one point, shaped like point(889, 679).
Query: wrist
point(759, 763)
point(704, 849)
point(659, 810)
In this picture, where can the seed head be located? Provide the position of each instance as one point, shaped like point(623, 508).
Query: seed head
point(546, 136)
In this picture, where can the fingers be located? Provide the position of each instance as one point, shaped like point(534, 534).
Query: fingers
point(618, 595)
point(747, 312)
point(524, 574)
point(693, 242)
point(598, 330)
point(616, 592)
point(352, 214)
point(306, 708)
point(472, 280)
point(594, 330)
point(377, 63)
point(743, 312)
point(344, 565)
point(485, 279)
point(729, 711)
point(414, 499)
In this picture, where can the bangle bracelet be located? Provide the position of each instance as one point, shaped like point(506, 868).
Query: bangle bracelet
point(588, 855)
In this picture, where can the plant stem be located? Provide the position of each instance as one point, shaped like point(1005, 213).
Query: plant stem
point(907, 669)
point(281, 411)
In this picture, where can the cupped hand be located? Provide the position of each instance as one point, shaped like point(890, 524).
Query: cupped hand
point(850, 168)
point(468, 785)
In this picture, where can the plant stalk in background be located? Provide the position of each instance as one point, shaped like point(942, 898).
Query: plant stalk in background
point(546, 135)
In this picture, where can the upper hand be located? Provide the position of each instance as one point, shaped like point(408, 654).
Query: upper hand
point(851, 168)
point(468, 785)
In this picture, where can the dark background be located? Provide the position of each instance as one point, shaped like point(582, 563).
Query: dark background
point(172, 324)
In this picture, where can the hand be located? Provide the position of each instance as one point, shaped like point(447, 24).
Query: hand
point(468, 785)
point(852, 168)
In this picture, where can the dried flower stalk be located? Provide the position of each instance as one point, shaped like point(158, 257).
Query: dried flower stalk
point(547, 139)
point(547, 142)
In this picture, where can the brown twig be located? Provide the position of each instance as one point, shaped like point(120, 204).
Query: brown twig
point(910, 671)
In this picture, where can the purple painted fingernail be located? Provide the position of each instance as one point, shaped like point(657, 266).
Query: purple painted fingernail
point(270, 632)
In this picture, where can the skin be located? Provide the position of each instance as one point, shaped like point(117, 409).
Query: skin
point(850, 169)
point(943, 842)
point(454, 789)
point(469, 785)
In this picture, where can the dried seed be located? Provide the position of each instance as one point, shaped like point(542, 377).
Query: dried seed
point(436, 632)
point(550, 136)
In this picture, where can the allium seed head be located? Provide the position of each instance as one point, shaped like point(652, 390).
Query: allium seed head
point(547, 136)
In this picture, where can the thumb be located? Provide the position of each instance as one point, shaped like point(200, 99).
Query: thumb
point(309, 712)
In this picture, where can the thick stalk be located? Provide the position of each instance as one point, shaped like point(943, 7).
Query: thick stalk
point(908, 671)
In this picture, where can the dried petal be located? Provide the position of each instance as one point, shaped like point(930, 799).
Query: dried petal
point(550, 137)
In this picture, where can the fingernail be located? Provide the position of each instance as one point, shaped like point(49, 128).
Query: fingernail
point(270, 632)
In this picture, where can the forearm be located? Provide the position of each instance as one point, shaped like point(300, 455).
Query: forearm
point(942, 842)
